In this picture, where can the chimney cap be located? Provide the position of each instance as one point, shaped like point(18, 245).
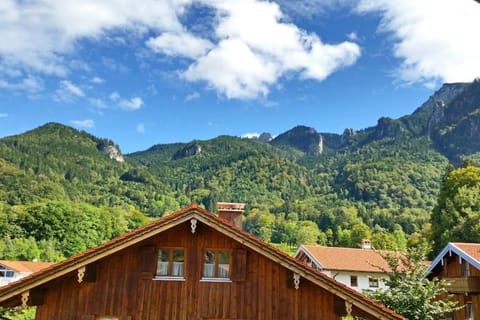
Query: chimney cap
point(230, 206)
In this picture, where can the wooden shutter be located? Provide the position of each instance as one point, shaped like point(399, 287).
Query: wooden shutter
point(88, 317)
point(239, 265)
point(147, 261)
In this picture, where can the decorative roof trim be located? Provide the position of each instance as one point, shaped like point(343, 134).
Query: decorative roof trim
point(309, 255)
point(448, 249)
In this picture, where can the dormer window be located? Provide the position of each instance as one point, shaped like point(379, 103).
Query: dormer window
point(170, 263)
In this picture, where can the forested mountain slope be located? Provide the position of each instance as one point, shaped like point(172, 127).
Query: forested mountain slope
point(303, 186)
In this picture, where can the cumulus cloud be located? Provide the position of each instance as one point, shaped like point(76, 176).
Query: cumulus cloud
point(180, 44)
point(134, 103)
point(87, 123)
point(255, 48)
point(436, 40)
point(39, 36)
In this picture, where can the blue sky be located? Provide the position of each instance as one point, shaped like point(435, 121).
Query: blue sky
point(146, 72)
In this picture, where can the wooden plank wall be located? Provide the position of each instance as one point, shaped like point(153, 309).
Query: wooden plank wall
point(121, 289)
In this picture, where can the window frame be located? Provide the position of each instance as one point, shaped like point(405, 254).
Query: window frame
point(373, 282)
point(169, 275)
point(216, 267)
point(353, 281)
point(6, 273)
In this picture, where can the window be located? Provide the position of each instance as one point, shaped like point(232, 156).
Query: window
point(170, 262)
point(373, 282)
point(353, 281)
point(6, 273)
point(216, 264)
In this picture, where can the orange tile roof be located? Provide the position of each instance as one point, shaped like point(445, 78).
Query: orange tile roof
point(472, 249)
point(188, 212)
point(25, 266)
point(348, 259)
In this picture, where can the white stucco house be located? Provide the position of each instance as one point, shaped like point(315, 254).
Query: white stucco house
point(11, 271)
point(359, 269)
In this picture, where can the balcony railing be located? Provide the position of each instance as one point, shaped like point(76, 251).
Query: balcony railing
point(463, 284)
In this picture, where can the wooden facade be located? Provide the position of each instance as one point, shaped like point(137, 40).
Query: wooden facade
point(459, 266)
point(119, 280)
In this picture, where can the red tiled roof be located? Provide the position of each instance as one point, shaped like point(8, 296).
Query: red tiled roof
point(472, 249)
point(348, 259)
point(257, 243)
point(25, 266)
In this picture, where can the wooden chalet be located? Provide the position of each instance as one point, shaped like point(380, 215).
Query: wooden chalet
point(189, 265)
point(459, 265)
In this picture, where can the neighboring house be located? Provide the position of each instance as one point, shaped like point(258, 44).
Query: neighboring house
point(190, 265)
point(459, 265)
point(11, 271)
point(359, 269)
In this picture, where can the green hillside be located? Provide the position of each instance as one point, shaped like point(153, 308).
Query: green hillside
point(63, 190)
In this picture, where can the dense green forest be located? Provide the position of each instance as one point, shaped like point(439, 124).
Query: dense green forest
point(64, 190)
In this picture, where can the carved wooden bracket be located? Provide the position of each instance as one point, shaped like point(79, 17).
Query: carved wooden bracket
point(81, 274)
point(25, 296)
point(348, 308)
point(193, 225)
point(296, 280)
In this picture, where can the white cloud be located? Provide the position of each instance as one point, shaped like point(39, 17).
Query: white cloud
point(97, 80)
point(72, 89)
point(42, 36)
point(256, 48)
point(352, 36)
point(436, 40)
point(38, 34)
point(181, 44)
point(98, 103)
point(134, 103)
point(115, 96)
point(30, 84)
point(192, 96)
point(68, 92)
point(140, 128)
point(87, 123)
point(3, 115)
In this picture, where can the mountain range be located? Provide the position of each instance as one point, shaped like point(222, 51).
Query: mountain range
point(386, 176)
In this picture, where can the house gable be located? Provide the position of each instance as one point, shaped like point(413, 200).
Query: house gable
point(129, 262)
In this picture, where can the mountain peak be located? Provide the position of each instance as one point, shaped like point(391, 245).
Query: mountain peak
point(303, 138)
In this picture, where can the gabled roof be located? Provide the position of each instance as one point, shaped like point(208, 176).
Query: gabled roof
point(469, 252)
point(345, 259)
point(202, 216)
point(24, 266)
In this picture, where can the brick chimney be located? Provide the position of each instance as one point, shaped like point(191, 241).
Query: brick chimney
point(231, 212)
